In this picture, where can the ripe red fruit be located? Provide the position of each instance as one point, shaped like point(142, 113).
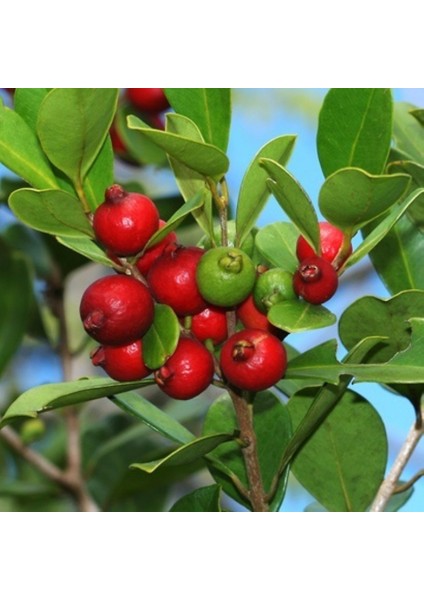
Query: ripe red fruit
point(125, 221)
point(116, 310)
point(315, 280)
point(123, 363)
point(211, 324)
point(331, 241)
point(154, 252)
point(188, 372)
point(172, 279)
point(147, 99)
point(252, 318)
point(253, 360)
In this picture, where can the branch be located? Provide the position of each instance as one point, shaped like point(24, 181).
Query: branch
point(390, 484)
point(244, 415)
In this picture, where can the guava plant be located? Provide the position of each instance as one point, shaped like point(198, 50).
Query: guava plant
point(213, 319)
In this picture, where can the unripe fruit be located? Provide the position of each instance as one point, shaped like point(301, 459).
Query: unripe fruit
point(172, 279)
point(225, 276)
point(116, 310)
point(211, 324)
point(331, 244)
point(253, 360)
point(125, 221)
point(123, 363)
point(271, 287)
point(188, 372)
point(147, 99)
point(154, 252)
point(315, 280)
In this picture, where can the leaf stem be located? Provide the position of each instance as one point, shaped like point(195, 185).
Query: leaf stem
point(244, 413)
point(390, 484)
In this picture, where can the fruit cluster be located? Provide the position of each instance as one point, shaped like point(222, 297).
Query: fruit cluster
point(220, 297)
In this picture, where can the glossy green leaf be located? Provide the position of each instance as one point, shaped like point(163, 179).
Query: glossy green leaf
point(370, 316)
point(88, 248)
point(326, 398)
point(378, 233)
point(15, 302)
point(27, 102)
point(20, 151)
point(100, 176)
point(209, 108)
point(318, 364)
point(139, 148)
point(204, 499)
point(342, 464)
point(408, 132)
point(418, 113)
point(189, 182)
point(152, 416)
point(254, 191)
point(201, 157)
point(56, 395)
point(161, 339)
point(416, 171)
point(295, 316)
point(398, 258)
point(350, 198)
point(355, 129)
point(405, 367)
point(293, 200)
point(51, 211)
point(277, 244)
point(177, 218)
point(273, 429)
point(187, 453)
point(72, 126)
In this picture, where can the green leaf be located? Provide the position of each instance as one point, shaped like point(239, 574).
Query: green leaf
point(201, 157)
point(295, 316)
point(416, 171)
point(370, 316)
point(293, 200)
point(51, 211)
point(15, 302)
point(342, 464)
point(153, 417)
point(405, 367)
point(398, 257)
point(408, 132)
point(56, 395)
point(204, 499)
point(254, 191)
point(350, 198)
point(378, 233)
point(190, 182)
point(72, 126)
point(418, 113)
point(355, 129)
point(88, 248)
point(161, 339)
point(100, 176)
point(325, 400)
point(187, 453)
point(20, 151)
point(277, 244)
point(273, 429)
point(27, 102)
point(177, 218)
point(319, 364)
point(398, 500)
point(209, 108)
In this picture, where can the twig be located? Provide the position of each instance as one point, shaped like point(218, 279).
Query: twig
point(390, 484)
point(244, 415)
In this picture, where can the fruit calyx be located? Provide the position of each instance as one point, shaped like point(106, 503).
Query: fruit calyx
point(243, 350)
point(115, 193)
point(310, 271)
point(231, 262)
